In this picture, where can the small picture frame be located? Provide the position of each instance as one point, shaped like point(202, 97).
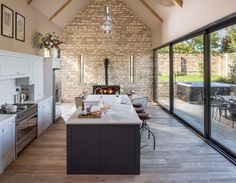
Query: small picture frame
point(19, 27)
point(7, 19)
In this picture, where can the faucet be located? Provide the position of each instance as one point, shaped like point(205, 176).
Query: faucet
point(101, 98)
point(85, 91)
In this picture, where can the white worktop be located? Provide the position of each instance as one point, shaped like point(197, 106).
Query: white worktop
point(6, 117)
point(37, 101)
point(122, 111)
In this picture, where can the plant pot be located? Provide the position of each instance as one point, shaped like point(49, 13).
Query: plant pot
point(53, 52)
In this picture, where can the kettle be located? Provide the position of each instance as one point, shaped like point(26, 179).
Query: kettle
point(22, 97)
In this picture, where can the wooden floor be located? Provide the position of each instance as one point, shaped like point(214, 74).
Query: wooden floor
point(181, 156)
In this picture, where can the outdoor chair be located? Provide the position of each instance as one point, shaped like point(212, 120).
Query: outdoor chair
point(223, 107)
point(214, 106)
point(232, 112)
point(215, 103)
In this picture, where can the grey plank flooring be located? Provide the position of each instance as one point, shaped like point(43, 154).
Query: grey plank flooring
point(180, 157)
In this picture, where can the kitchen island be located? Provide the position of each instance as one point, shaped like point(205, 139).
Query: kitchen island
point(106, 145)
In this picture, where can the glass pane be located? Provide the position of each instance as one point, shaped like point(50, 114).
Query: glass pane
point(223, 87)
point(163, 65)
point(188, 81)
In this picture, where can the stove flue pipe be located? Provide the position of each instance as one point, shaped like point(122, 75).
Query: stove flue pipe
point(106, 63)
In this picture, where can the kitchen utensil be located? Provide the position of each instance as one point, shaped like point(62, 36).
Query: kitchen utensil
point(22, 97)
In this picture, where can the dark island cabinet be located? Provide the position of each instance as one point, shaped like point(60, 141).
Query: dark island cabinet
point(103, 149)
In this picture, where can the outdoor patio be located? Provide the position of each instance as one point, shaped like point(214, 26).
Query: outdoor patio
point(194, 113)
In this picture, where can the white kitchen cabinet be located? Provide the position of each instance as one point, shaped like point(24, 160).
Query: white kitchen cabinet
point(7, 143)
point(14, 67)
point(45, 118)
point(19, 65)
point(35, 81)
point(48, 113)
point(37, 78)
point(1, 149)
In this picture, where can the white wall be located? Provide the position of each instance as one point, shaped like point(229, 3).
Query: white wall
point(7, 91)
point(194, 14)
point(156, 36)
point(34, 22)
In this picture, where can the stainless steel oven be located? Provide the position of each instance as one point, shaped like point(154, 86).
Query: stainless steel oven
point(26, 127)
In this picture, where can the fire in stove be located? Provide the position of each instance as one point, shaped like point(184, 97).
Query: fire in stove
point(106, 89)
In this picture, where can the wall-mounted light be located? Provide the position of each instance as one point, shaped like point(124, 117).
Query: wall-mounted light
point(131, 68)
point(81, 68)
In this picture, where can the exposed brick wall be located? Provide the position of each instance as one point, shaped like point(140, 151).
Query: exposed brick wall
point(84, 36)
point(219, 66)
point(193, 61)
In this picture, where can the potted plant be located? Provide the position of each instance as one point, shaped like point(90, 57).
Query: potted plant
point(49, 41)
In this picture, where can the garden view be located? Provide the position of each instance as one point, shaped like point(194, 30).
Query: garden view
point(188, 75)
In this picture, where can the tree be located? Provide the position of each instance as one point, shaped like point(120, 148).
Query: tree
point(195, 45)
point(232, 72)
point(229, 46)
point(164, 50)
point(229, 41)
point(216, 43)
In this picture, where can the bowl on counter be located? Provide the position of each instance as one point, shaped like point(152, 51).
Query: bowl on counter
point(11, 109)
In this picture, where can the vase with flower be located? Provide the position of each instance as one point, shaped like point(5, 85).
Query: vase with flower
point(48, 41)
point(52, 42)
point(37, 43)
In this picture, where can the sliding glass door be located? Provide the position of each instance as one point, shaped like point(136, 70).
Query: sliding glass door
point(187, 70)
point(163, 66)
point(223, 87)
point(188, 81)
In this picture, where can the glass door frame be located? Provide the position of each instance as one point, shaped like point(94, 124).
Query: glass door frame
point(205, 31)
point(186, 123)
point(155, 77)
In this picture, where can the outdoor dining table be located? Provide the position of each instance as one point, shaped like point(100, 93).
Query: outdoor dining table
point(226, 105)
point(229, 98)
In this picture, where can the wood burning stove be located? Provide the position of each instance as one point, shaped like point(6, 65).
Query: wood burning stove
point(106, 89)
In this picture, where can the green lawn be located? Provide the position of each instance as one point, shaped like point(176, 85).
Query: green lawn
point(186, 78)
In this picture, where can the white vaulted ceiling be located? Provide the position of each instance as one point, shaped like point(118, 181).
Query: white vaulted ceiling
point(49, 7)
point(74, 7)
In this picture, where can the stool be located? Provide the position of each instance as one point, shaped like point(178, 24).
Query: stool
point(137, 105)
point(144, 117)
point(139, 109)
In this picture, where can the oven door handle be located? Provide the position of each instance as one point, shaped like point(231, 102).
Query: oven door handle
point(34, 115)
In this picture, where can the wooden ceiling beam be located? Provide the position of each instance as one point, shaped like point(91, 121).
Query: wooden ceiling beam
point(29, 1)
point(179, 2)
point(151, 10)
point(60, 9)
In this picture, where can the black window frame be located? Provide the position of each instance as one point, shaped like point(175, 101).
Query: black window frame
point(205, 31)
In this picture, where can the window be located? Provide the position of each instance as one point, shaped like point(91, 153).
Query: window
point(163, 66)
point(212, 116)
point(223, 87)
point(188, 81)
